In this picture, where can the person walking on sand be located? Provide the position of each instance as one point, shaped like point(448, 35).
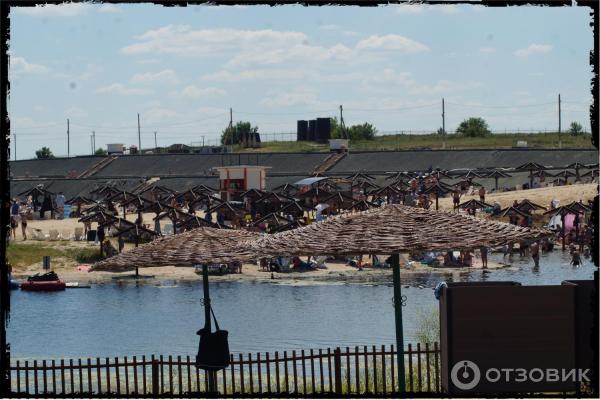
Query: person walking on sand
point(24, 225)
point(60, 205)
point(484, 256)
point(456, 198)
point(14, 218)
point(482, 194)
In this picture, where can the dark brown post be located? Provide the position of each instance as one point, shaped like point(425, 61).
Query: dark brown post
point(562, 217)
point(337, 367)
point(155, 390)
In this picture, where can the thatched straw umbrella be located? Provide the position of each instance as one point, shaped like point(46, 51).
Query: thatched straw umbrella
point(439, 174)
point(438, 188)
point(593, 173)
point(198, 246)
point(563, 211)
point(360, 176)
point(78, 201)
point(565, 174)
point(393, 229)
point(471, 174)
point(497, 174)
point(285, 189)
point(531, 167)
point(542, 175)
point(528, 206)
point(473, 204)
point(402, 175)
point(576, 166)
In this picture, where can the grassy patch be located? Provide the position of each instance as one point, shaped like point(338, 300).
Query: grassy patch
point(434, 141)
point(25, 254)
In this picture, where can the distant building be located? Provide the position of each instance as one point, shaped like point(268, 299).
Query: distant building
point(236, 179)
point(178, 148)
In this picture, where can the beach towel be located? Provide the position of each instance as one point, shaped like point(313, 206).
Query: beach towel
point(569, 222)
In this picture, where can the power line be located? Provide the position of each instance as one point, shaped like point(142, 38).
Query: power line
point(393, 108)
point(286, 113)
point(498, 106)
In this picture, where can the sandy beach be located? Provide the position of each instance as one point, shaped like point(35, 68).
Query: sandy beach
point(336, 271)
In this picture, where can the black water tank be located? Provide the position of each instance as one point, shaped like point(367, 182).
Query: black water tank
point(312, 130)
point(323, 130)
point(302, 132)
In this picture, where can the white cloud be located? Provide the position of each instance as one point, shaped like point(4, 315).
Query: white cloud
point(76, 112)
point(381, 80)
point(329, 27)
point(109, 8)
point(409, 8)
point(487, 50)
point(53, 10)
point(444, 86)
point(118, 88)
point(297, 96)
point(391, 42)
point(165, 76)
point(257, 47)
point(195, 92)
point(415, 8)
point(149, 61)
point(158, 114)
point(337, 29)
point(255, 75)
point(182, 40)
point(308, 54)
point(19, 65)
point(533, 48)
point(212, 111)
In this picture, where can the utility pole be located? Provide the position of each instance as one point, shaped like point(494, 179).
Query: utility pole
point(68, 140)
point(559, 138)
point(139, 136)
point(155, 145)
point(231, 129)
point(203, 142)
point(15, 146)
point(93, 142)
point(443, 124)
point(342, 124)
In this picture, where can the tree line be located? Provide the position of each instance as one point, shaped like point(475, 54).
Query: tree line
point(243, 131)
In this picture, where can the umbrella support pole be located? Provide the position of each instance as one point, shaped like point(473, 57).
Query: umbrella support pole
point(212, 375)
point(399, 329)
point(562, 217)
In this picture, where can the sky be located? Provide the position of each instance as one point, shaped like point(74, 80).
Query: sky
point(183, 68)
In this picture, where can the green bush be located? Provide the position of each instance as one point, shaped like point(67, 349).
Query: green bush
point(473, 127)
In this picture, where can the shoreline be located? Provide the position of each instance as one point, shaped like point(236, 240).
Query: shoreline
point(335, 273)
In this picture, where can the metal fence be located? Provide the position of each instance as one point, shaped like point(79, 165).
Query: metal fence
point(343, 371)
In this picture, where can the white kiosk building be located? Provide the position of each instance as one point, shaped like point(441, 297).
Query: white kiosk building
point(236, 179)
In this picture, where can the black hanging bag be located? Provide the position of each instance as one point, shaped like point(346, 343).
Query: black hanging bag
point(213, 350)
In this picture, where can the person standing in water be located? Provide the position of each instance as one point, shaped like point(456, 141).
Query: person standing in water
point(484, 256)
point(535, 253)
point(575, 259)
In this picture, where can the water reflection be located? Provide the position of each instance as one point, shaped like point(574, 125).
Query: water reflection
point(128, 319)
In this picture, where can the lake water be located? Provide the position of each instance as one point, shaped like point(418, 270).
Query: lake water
point(129, 319)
